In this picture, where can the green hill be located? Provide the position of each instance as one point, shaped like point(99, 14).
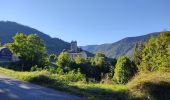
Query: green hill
point(9, 29)
point(122, 47)
point(54, 45)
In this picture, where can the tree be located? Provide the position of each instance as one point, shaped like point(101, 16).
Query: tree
point(63, 60)
point(99, 66)
point(155, 53)
point(30, 49)
point(52, 58)
point(1, 44)
point(78, 60)
point(99, 60)
point(137, 55)
point(124, 70)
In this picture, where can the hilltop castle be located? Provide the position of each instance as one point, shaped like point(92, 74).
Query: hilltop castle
point(75, 51)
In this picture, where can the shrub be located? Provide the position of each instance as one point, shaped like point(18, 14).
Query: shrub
point(74, 76)
point(124, 70)
point(36, 68)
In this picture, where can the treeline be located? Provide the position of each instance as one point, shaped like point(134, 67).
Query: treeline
point(155, 54)
point(149, 57)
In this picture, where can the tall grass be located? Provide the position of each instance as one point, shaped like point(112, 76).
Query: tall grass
point(144, 86)
point(61, 82)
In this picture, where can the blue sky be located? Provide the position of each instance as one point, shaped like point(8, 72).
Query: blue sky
point(89, 21)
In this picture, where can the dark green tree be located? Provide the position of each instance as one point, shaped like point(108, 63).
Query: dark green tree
point(124, 70)
point(100, 66)
point(137, 55)
point(53, 58)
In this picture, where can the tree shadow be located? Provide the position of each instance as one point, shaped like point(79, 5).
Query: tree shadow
point(158, 91)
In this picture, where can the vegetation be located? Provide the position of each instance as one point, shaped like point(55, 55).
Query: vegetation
point(151, 85)
point(120, 48)
point(30, 49)
point(90, 91)
point(9, 29)
point(155, 55)
point(98, 77)
point(124, 70)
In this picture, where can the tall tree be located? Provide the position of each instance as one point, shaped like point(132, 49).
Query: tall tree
point(30, 49)
point(124, 70)
point(155, 54)
point(137, 55)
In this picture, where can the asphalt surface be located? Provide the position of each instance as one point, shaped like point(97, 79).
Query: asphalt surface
point(13, 89)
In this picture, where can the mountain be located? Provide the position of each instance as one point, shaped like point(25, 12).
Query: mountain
point(54, 45)
point(122, 47)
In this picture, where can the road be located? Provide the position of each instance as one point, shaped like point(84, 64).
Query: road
point(13, 89)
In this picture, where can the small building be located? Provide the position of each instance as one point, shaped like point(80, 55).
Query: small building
point(75, 51)
point(7, 56)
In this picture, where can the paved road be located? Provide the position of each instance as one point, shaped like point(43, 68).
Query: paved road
point(12, 89)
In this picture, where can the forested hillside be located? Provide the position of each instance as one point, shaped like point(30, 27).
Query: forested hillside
point(122, 47)
point(9, 29)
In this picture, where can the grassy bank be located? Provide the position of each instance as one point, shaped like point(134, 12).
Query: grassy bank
point(144, 86)
point(152, 86)
point(90, 91)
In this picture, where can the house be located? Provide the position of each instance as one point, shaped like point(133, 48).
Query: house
point(75, 51)
point(7, 56)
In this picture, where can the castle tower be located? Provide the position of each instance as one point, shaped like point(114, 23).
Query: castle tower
point(74, 46)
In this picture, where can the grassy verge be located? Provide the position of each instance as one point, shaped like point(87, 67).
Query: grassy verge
point(152, 86)
point(58, 82)
point(144, 86)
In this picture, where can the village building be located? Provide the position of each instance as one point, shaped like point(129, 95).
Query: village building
point(75, 51)
point(7, 56)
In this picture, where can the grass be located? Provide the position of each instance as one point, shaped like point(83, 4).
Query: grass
point(152, 86)
point(144, 86)
point(90, 91)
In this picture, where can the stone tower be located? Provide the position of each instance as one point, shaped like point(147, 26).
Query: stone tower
point(74, 46)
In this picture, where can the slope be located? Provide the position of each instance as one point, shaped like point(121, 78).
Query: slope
point(9, 29)
point(122, 47)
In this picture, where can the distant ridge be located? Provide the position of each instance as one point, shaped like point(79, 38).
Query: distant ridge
point(119, 48)
point(54, 45)
point(8, 29)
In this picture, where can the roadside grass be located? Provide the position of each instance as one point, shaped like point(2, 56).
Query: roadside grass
point(90, 91)
point(152, 86)
point(144, 86)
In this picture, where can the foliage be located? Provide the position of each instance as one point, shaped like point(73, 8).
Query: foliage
point(63, 60)
point(9, 29)
point(119, 48)
point(94, 67)
point(30, 49)
point(155, 55)
point(124, 70)
point(151, 85)
point(78, 60)
point(137, 54)
point(74, 76)
point(59, 82)
point(53, 58)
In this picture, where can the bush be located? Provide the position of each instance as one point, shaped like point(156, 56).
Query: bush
point(36, 68)
point(74, 76)
point(124, 70)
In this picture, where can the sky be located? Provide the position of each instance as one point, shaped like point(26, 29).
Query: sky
point(89, 21)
